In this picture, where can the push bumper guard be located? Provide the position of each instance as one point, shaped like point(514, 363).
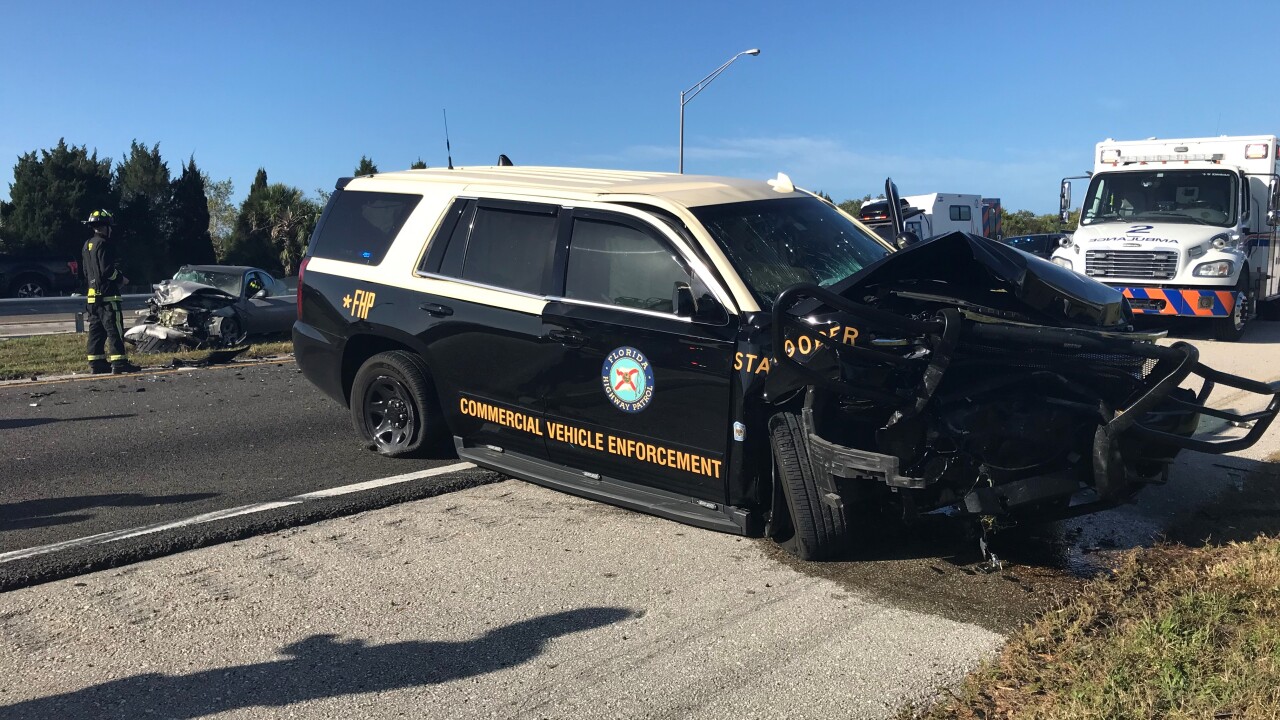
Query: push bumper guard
point(1174, 364)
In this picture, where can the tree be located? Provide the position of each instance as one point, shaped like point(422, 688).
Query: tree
point(853, 207)
point(259, 181)
point(418, 165)
point(366, 167)
point(189, 239)
point(222, 213)
point(52, 193)
point(1025, 222)
point(272, 229)
point(825, 196)
point(142, 225)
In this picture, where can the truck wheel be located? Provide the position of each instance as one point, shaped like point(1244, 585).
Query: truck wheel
point(29, 286)
point(1231, 328)
point(393, 405)
point(819, 529)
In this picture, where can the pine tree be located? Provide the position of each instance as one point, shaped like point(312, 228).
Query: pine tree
point(189, 239)
point(142, 225)
point(418, 165)
point(366, 167)
point(52, 193)
point(259, 181)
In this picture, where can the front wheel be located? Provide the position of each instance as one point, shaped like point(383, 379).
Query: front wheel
point(820, 530)
point(1231, 328)
point(393, 406)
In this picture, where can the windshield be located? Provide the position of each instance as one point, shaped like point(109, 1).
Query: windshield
point(775, 244)
point(1202, 197)
point(225, 281)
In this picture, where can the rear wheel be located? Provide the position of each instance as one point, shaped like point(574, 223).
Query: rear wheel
point(818, 529)
point(393, 406)
point(1231, 328)
point(29, 286)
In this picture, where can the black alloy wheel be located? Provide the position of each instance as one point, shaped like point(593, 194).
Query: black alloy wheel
point(29, 287)
point(393, 406)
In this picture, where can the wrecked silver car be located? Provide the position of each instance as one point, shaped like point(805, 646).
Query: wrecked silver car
point(210, 307)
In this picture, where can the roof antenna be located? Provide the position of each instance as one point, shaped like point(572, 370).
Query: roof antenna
point(504, 161)
point(446, 137)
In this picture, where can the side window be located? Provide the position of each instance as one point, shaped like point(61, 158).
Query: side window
point(511, 249)
point(447, 245)
point(256, 282)
point(359, 226)
point(961, 212)
point(615, 264)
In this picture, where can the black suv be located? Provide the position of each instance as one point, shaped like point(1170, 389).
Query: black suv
point(737, 355)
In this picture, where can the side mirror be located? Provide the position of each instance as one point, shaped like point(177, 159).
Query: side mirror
point(683, 301)
point(1064, 202)
point(906, 239)
point(895, 209)
point(1273, 208)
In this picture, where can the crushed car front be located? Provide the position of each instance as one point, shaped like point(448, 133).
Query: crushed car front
point(960, 374)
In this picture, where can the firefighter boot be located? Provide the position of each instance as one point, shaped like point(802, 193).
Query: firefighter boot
point(122, 367)
point(99, 367)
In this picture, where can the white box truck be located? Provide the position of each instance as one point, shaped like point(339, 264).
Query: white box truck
point(1182, 227)
point(934, 214)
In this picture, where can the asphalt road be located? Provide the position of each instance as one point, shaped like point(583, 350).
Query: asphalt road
point(483, 599)
point(90, 456)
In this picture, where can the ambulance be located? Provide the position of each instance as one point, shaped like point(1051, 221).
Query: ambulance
point(1183, 228)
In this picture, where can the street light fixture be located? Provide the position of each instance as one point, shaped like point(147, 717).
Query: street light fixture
point(691, 93)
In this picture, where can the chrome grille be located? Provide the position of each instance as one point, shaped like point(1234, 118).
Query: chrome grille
point(1144, 264)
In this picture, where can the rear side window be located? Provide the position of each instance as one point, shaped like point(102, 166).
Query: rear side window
point(511, 249)
point(360, 226)
point(615, 264)
point(961, 212)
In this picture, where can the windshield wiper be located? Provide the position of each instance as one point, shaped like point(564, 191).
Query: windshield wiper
point(1172, 214)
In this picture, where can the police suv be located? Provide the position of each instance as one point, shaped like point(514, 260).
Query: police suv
point(737, 355)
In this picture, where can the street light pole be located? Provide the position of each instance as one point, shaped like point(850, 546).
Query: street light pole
point(692, 92)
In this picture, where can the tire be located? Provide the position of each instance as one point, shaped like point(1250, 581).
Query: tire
point(393, 405)
point(29, 286)
point(1231, 329)
point(819, 529)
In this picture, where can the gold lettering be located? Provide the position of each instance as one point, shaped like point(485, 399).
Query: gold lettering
point(763, 367)
point(737, 361)
point(751, 361)
point(850, 336)
point(804, 344)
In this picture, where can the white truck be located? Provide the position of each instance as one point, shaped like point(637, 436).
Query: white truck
point(1182, 227)
point(934, 214)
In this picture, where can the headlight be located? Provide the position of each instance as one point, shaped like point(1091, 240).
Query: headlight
point(1063, 262)
point(1220, 268)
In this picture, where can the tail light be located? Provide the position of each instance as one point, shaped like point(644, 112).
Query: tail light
point(302, 268)
point(74, 267)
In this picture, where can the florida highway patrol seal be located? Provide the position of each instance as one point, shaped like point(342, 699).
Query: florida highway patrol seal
point(628, 379)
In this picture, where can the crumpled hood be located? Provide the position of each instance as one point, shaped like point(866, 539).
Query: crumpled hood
point(172, 292)
point(990, 274)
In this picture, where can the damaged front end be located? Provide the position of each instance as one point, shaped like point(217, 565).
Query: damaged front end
point(184, 315)
point(969, 378)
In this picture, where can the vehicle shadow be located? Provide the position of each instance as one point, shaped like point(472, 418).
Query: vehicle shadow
point(18, 423)
point(46, 512)
point(317, 667)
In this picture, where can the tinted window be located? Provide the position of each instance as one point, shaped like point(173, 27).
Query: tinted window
point(961, 212)
point(359, 226)
point(511, 249)
point(616, 264)
point(775, 244)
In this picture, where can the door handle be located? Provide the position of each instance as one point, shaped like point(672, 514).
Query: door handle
point(568, 338)
point(436, 310)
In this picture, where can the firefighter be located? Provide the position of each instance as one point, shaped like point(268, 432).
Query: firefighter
point(101, 263)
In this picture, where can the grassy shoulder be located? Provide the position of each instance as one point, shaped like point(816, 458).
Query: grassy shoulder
point(1175, 632)
point(43, 355)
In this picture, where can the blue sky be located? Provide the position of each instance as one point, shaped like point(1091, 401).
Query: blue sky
point(1001, 99)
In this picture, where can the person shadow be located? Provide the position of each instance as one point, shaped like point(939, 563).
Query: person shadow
point(317, 667)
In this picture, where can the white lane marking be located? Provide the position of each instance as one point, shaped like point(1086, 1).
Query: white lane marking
point(114, 535)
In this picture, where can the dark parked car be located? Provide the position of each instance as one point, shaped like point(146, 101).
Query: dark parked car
point(1040, 244)
point(213, 306)
point(33, 278)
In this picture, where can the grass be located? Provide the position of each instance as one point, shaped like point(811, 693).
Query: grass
point(1173, 633)
point(42, 355)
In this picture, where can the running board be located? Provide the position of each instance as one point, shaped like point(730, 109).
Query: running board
point(711, 516)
